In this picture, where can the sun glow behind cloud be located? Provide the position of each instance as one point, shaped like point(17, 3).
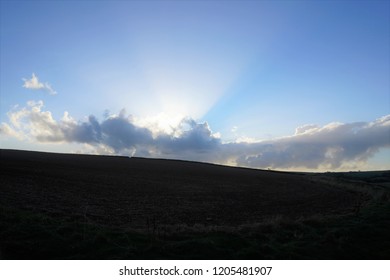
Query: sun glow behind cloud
point(190, 82)
point(160, 123)
point(188, 63)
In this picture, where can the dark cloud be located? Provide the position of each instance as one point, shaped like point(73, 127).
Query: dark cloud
point(311, 147)
point(119, 133)
point(194, 137)
point(87, 132)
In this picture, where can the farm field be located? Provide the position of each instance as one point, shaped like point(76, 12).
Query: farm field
point(62, 206)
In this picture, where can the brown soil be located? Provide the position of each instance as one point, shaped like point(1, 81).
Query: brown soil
point(135, 192)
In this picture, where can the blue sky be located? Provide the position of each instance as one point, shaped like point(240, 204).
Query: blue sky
point(231, 82)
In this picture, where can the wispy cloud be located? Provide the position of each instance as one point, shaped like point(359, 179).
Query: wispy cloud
point(35, 84)
point(332, 146)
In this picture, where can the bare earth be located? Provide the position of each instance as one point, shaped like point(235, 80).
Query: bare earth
point(131, 193)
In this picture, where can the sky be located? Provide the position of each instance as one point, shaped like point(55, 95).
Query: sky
point(285, 85)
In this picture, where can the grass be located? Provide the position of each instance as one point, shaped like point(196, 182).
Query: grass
point(25, 235)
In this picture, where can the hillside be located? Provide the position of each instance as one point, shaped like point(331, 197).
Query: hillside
point(163, 201)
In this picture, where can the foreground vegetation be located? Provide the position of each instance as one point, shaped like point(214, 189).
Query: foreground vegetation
point(363, 235)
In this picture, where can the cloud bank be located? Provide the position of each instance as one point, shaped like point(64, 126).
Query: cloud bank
point(311, 147)
point(35, 84)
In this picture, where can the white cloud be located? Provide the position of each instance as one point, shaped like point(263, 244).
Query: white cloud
point(33, 123)
point(305, 129)
point(331, 147)
point(35, 84)
point(6, 129)
point(245, 139)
